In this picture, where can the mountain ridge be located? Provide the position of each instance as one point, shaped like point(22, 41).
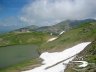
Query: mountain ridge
point(57, 28)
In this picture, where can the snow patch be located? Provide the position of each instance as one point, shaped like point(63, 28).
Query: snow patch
point(61, 32)
point(84, 63)
point(50, 59)
point(52, 39)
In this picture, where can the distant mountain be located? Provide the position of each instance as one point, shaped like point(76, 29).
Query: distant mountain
point(63, 26)
point(78, 22)
point(56, 29)
point(13, 23)
point(26, 29)
point(32, 27)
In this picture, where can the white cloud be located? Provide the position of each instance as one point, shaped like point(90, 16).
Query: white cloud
point(26, 20)
point(46, 12)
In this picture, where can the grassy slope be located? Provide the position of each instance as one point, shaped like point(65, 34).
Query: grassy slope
point(23, 38)
point(85, 32)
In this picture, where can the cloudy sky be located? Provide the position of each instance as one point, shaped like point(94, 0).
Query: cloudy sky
point(47, 12)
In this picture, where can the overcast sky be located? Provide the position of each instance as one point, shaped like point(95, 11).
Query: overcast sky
point(47, 12)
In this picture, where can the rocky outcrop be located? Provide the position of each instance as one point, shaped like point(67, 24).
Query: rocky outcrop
point(89, 55)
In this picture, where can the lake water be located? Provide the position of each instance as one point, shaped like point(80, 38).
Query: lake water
point(14, 54)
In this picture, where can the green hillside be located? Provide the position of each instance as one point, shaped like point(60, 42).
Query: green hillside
point(15, 38)
point(84, 32)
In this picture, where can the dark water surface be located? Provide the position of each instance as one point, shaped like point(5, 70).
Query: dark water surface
point(14, 54)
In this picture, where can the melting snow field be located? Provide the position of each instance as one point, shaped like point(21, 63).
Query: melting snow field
point(55, 57)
